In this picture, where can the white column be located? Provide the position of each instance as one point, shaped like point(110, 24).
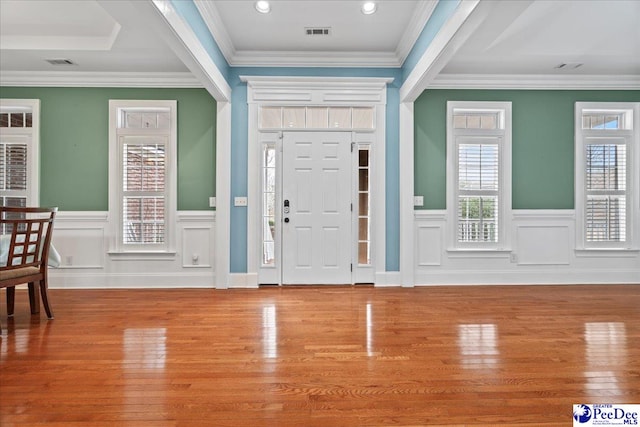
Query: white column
point(407, 263)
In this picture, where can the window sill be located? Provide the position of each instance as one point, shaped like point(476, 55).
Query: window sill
point(142, 255)
point(607, 253)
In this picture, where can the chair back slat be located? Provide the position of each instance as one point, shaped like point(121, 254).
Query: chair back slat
point(29, 232)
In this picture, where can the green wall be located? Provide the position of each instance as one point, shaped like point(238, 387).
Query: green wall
point(74, 144)
point(542, 142)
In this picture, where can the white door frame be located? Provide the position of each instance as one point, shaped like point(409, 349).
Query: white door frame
point(317, 91)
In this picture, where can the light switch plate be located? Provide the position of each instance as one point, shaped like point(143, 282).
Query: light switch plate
point(418, 200)
point(239, 201)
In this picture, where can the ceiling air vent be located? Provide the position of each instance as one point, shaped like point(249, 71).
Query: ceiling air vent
point(60, 62)
point(317, 31)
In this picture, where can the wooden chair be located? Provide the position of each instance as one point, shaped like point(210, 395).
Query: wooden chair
point(26, 235)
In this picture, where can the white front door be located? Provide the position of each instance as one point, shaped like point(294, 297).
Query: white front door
point(316, 211)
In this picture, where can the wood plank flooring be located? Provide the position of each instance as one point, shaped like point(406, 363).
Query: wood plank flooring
point(320, 356)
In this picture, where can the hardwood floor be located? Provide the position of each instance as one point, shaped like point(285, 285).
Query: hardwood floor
point(320, 356)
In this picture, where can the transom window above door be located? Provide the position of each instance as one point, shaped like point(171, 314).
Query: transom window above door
point(357, 118)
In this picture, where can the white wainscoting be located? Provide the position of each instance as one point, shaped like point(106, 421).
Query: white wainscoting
point(83, 240)
point(542, 252)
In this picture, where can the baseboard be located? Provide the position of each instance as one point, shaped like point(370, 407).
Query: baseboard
point(558, 276)
point(243, 281)
point(87, 280)
point(388, 279)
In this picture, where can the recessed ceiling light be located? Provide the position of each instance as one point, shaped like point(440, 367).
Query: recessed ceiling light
point(369, 7)
point(263, 6)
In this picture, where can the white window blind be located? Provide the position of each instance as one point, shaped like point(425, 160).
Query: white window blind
point(478, 185)
point(143, 194)
point(606, 185)
point(13, 166)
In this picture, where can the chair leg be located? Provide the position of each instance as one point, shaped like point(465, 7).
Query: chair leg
point(11, 300)
point(45, 299)
point(34, 299)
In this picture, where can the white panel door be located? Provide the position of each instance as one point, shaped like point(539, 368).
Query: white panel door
point(316, 186)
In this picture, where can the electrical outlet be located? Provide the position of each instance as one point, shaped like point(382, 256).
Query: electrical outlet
point(418, 200)
point(514, 257)
point(239, 201)
point(212, 202)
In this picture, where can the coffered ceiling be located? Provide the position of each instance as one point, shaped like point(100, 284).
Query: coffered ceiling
point(591, 37)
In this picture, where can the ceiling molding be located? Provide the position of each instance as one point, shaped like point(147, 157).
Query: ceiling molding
point(166, 21)
point(217, 28)
point(421, 16)
point(535, 81)
point(278, 82)
point(314, 59)
point(98, 79)
point(461, 25)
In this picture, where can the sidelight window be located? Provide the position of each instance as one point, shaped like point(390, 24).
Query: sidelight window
point(364, 207)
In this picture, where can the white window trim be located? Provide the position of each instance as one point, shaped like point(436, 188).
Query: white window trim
point(117, 248)
point(632, 137)
point(504, 193)
point(33, 149)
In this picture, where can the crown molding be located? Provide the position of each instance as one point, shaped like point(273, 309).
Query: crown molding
point(535, 81)
point(420, 17)
point(98, 79)
point(314, 59)
point(213, 20)
point(279, 82)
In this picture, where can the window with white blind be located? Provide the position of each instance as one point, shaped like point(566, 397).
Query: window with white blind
point(143, 138)
point(19, 142)
point(479, 174)
point(607, 174)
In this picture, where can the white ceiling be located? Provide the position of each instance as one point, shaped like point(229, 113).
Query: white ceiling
point(106, 36)
point(603, 35)
point(279, 37)
point(113, 36)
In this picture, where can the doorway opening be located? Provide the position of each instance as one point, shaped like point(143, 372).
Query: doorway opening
point(316, 174)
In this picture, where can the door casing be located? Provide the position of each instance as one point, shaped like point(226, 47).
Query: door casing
point(316, 91)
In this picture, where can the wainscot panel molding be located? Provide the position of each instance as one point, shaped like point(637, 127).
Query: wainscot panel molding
point(429, 237)
point(82, 240)
point(543, 253)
